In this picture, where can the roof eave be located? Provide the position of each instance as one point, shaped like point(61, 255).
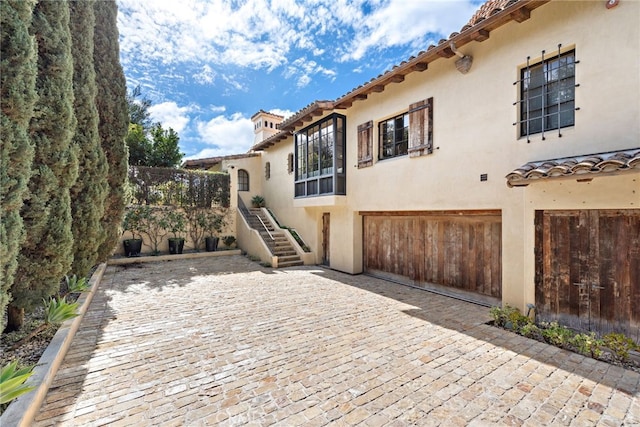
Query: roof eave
point(518, 11)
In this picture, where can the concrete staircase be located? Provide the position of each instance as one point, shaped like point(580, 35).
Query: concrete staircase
point(278, 245)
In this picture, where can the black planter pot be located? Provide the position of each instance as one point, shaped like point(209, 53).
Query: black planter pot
point(176, 246)
point(132, 247)
point(211, 243)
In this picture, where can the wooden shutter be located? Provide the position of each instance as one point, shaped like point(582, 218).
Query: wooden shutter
point(290, 163)
point(365, 144)
point(421, 128)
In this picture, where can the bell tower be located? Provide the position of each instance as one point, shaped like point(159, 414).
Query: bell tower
point(265, 124)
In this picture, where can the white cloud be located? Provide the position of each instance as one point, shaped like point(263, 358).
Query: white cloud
point(283, 113)
point(225, 135)
point(232, 45)
point(262, 34)
point(402, 22)
point(304, 69)
point(206, 75)
point(235, 83)
point(170, 115)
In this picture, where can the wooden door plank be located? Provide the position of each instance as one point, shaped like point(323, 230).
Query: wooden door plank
point(481, 283)
point(496, 260)
point(440, 276)
point(487, 258)
point(472, 257)
point(539, 237)
point(591, 309)
point(465, 265)
point(634, 276)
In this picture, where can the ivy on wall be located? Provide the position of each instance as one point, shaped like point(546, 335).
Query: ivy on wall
point(178, 187)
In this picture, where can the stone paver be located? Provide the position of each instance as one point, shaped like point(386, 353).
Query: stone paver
point(224, 341)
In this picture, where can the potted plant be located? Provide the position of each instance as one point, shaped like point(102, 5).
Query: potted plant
point(214, 222)
point(196, 219)
point(258, 201)
point(228, 241)
point(134, 222)
point(154, 226)
point(174, 223)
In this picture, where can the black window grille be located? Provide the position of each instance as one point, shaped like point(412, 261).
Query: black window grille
point(547, 94)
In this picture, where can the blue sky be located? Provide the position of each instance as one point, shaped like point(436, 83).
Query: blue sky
point(209, 65)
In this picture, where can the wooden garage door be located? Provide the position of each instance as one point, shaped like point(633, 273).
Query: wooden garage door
point(456, 250)
point(588, 269)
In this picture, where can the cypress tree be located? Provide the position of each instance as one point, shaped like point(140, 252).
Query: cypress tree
point(114, 120)
point(90, 190)
point(46, 254)
point(17, 98)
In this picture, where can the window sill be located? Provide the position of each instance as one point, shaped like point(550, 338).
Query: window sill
point(418, 148)
point(319, 201)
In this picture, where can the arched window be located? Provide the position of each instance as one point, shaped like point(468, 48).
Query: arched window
point(243, 180)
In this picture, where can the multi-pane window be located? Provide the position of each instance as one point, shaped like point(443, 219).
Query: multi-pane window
point(320, 158)
point(394, 136)
point(243, 180)
point(547, 95)
point(410, 133)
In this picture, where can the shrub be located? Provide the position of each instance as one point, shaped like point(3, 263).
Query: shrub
point(175, 222)
point(556, 334)
point(12, 381)
point(620, 345)
point(509, 317)
point(229, 241)
point(531, 330)
point(587, 344)
point(76, 285)
point(57, 310)
point(258, 201)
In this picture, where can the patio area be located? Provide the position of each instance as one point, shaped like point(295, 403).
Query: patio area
point(224, 341)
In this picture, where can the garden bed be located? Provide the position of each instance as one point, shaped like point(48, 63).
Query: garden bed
point(613, 348)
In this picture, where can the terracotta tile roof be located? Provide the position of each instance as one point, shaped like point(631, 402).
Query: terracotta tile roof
point(490, 16)
point(266, 113)
point(207, 162)
point(489, 8)
point(577, 167)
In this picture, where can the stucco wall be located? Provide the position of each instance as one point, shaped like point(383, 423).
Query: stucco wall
point(474, 134)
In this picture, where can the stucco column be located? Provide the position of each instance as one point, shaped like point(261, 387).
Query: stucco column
point(517, 247)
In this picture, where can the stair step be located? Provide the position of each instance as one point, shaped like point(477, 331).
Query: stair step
point(285, 254)
point(277, 241)
point(289, 264)
point(289, 258)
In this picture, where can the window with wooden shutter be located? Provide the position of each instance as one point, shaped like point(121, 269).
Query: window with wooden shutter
point(290, 163)
point(365, 144)
point(421, 128)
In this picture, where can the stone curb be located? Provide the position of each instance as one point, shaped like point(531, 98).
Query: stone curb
point(23, 410)
point(133, 260)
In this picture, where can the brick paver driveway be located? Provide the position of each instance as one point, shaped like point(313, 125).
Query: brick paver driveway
point(223, 341)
